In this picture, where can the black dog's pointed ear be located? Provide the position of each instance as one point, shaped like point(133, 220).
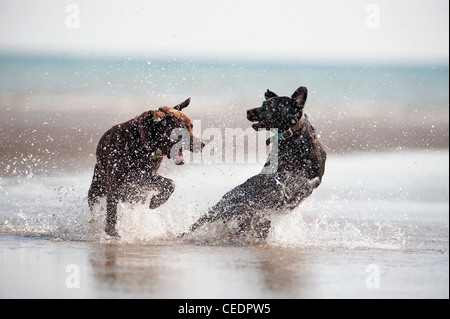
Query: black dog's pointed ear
point(299, 97)
point(181, 106)
point(269, 94)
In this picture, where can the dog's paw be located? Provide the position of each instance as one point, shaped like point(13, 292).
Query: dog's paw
point(314, 183)
point(155, 203)
point(112, 232)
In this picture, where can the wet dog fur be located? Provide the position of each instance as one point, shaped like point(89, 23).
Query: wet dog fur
point(300, 168)
point(128, 158)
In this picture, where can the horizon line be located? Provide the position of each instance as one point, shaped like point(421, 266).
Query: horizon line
point(239, 58)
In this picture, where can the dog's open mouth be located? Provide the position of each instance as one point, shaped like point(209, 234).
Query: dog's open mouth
point(179, 159)
point(259, 125)
point(254, 116)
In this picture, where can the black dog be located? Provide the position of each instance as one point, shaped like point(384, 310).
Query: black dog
point(299, 163)
point(129, 155)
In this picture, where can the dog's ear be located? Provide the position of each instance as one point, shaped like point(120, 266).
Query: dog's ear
point(269, 94)
point(299, 97)
point(182, 105)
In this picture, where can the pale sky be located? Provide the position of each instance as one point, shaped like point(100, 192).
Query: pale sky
point(357, 30)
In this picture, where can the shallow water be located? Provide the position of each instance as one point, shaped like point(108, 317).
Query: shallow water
point(377, 227)
point(38, 268)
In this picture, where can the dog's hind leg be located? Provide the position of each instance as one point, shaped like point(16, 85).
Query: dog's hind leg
point(97, 188)
point(207, 218)
point(260, 227)
point(111, 214)
point(202, 220)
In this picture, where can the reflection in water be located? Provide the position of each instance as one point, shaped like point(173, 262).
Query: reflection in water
point(37, 268)
point(183, 271)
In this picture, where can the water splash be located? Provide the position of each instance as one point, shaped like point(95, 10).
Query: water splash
point(365, 213)
point(69, 218)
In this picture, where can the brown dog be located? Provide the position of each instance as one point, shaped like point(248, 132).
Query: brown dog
point(129, 155)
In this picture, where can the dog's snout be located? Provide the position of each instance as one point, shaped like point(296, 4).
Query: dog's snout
point(252, 115)
point(197, 144)
point(202, 145)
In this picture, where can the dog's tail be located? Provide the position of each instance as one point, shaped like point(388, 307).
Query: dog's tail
point(97, 188)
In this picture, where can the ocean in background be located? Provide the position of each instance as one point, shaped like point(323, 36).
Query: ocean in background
point(54, 108)
point(411, 86)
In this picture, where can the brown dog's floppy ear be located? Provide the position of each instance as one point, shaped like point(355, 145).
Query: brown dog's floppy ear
point(299, 97)
point(269, 94)
point(181, 106)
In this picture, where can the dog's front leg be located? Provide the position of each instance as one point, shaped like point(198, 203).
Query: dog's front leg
point(165, 188)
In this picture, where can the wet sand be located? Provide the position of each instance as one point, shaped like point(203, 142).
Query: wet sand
point(47, 136)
